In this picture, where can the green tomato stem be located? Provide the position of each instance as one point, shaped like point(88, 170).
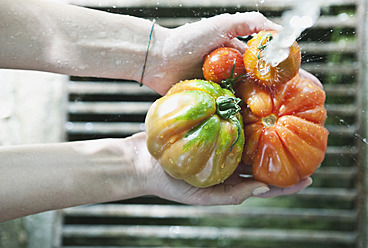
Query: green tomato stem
point(263, 44)
point(228, 83)
point(227, 108)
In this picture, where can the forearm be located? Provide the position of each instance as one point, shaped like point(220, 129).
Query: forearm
point(48, 36)
point(36, 178)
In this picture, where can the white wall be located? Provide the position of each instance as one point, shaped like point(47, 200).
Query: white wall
point(32, 110)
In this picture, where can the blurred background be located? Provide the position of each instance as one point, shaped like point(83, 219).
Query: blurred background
point(330, 213)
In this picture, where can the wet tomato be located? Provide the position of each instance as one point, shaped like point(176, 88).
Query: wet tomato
point(285, 138)
point(261, 71)
point(196, 132)
point(222, 64)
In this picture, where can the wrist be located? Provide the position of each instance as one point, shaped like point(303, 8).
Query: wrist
point(129, 179)
point(158, 57)
point(142, 168)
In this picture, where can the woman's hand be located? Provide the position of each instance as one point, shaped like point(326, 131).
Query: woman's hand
point(177, 54)
point(234, 190)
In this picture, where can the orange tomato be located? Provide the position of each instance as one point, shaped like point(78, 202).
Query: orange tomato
point(285, 138)
point(261, 71)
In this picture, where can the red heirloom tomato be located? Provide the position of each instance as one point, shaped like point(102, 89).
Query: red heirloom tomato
point(285, 138)
point(261, 71)
point(196, 132)
point(222, 64)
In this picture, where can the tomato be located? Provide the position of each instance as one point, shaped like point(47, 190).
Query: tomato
point(196, 133)
point(222, 64)
point(261, 71)
point(285, 138)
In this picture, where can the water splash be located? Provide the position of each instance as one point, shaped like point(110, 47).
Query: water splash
point(304, 15)
point(363, 139)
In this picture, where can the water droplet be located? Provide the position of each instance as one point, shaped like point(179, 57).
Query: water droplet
point(88, 126)
point(175, 229)
point(69, 125)
point(263, 67)
point(142, 127)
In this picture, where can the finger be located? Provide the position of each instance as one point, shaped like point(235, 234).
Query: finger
point(275, 191)
point(242, 24)
point(229, 194)
point(239, 45)
point(307, 75)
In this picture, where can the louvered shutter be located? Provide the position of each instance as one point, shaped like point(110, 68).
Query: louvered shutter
point(330, 213)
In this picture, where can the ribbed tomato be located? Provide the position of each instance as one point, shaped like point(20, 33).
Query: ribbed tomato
point(261, 71)
point(196, 133)
point(285, 138)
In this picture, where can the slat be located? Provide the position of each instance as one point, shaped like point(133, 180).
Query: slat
point(337, 172)
point(341, 109)
point(329, 194)
point(322, 22)
point(87, 88)
point(131, 127)
point(104, 128)
point(126, 246)
point(337, 69)
point(340, 90)
point(174, 211)
point(342, 150)
point(193, 232)
point(328, 47)
point(342, 130)
point(279, 4)
point(336, 22)
point(126, 88)
point(109, 107)
point(142, 108)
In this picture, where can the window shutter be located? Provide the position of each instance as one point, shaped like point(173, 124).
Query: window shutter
point(330, 213)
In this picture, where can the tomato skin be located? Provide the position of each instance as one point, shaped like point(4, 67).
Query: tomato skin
point(285, 138)
point(262, 72)
point(187, 136)
point(219, 63)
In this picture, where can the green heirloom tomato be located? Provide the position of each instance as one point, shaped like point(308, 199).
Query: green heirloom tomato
point(196, 132)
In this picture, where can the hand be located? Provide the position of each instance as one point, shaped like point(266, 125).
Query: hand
point(177, 54)
point(307, 75)
point(234, 190)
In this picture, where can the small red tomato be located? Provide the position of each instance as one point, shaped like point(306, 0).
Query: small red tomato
point(224, 63)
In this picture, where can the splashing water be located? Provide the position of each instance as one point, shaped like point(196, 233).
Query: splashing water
point(294, 22)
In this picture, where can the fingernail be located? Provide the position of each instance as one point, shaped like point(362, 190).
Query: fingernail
point(310, 181)
point(260, 190)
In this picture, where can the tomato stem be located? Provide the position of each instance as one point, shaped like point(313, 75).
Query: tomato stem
point(228, 83)
point(227, 108)
point(264, 43)
point(269, 121)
